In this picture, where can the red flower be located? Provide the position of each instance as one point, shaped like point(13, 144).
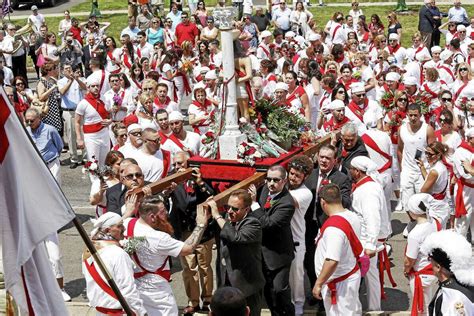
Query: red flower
point(267, 205)
point(250, 151)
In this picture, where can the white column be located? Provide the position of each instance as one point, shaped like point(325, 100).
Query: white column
point(232, 136)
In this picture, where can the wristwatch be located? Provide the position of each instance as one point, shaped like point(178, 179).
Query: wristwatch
point(201, 225)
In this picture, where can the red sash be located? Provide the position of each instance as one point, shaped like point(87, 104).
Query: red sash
point(331, 125)
point(137, 83)
point(419, 49)
point(166, 163)
point(266, 51)
point(163, 137)
point(98, 279)
point(335, 31)
point(460, 207)
point(248, 88)
point(162, 105)
point(187, 88)
point(449, 71)
point(341, 223)
point(418, 300)
point(357, 110)
point(112, 58)
point(181, 146)
point(166, 274)
point(110, 311)
point(126, 61)
point(361, 182)
point(99, 106)
point(204, 107)
point(393, 50)
point(102, 80)
point(372, 144)
point(456, 95)
point(139, 52)
point(441, 195)
point(297, 93)
point(384, 265)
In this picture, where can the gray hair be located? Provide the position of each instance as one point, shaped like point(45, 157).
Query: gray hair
point(349, 128)
point(33, 111)
point(185, 154)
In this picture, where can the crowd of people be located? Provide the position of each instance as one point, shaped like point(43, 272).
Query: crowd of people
point(401, 121)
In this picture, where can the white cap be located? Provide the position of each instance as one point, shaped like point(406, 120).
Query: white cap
point(133, 127)
point(429, 64)
point(394, 36)
point(105, 221)
point(410, 81)
point(420, 203)
point(436, 49)
point(445, 54)
point(314, 37)
point(336, 105)
point(265, 34)
point(175, 116)
point(392, 76)
point(34, 8)
point(363, 164)
point(370, 119)
point(460, 28)
point(281, 86)
point(453, 252)
point(93, 79)
point(290, 34)
point(469, 132)
point(357, 87)
point(211, 75)
point(204, 69)
point(149, 124)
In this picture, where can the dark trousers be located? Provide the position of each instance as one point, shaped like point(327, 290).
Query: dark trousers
point(435, 38)
point(277, 290)
point(19, 66)
point(254, 302)
point(311, 233)
point(240, 9)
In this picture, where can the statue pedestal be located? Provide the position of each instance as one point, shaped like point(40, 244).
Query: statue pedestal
point(228, 145)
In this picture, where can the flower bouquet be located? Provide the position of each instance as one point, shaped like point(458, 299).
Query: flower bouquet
point(258, 135)
point(93, 168)
point(248, 153)
point(387, 101)
point(209, 145)
point(131, 245)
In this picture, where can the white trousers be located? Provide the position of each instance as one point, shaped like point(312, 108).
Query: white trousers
point(464, 223)
point(372, 283)
point(97, 145)
point(54, 254)
point(430, 285)
point(71, 137)
point(348, 302)
point(297, 278)
point(395, 168)
point(160, 301)
point(410, 184)
point(55, 168)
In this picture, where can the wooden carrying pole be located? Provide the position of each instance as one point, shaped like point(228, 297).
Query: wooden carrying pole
point(163, 184)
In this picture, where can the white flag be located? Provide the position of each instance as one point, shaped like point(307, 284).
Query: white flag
point(32, 207)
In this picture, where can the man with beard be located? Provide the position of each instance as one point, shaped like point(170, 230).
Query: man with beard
point(360, 105)
point(338, 118)
point(197, 268)
point(180, 139)
point(299, 168)
point(351, 146)
point(154, 161)
point(134, 141)
point(315, 217)
point(275, 213)
point(108, 231)
point(152, 274)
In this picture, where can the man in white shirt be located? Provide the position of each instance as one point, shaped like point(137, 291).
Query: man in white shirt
point(36, 19)
point(336, 258)
point(134, 141)
point(72, 88)
point(180, 139)
point(263, 50)
point(152, 271)
point(143, 48)
point(117, 100)
point(394, 49)
point(299, 168)
point(154, 161)
point(337, 35)
point(281, 17)
point(360, 105)
point(132, 29)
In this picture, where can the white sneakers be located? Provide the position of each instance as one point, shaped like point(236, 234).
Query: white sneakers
point(66, 296)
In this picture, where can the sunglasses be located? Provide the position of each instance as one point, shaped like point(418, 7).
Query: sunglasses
point(340, 92)
point(178, 163)
point(275, 180)
point(446, 99)
point(462, 69)
point(392, 40)
point(136, 134)
point(175, 123)
point(360, 95)
point(229, 208)
point(29, 121)
point(123, 135)
point(402, 100)
point(147, 89)
point(132, 176)
point(155, 141)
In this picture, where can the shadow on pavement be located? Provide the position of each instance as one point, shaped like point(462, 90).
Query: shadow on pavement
point(76, 287)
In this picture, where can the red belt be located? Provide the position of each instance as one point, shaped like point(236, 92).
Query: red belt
point(460, 209)
point(92, 128)
point(332, 284)
point(166, 274)
point(110, 311)
point(418, 300)
point(384, 265)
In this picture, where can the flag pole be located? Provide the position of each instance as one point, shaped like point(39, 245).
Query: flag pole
point(102, 267)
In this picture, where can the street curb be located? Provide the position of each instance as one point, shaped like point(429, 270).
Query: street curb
point(82, 308)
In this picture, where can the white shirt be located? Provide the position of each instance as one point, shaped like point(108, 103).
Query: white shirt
point(37, 21)
point(128, 150)
point(7, 45)
point(384, 143)
point(282, 17)
point(372, 106)
point(334, 245)
point(145, 50)
point(192, 141)
point(303, 198)
point(337, 34)
point(412, 142)
point(127, 102)
point(89, 114)
point(152, 165)
point(415, 238)
point(73, 95)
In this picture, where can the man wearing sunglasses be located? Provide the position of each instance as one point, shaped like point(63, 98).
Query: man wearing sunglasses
point(134, 141)
point(186, 31)
point(180, 139)
point(241, 248)
point(446, 72)
point(360, 105)
point(275, 214)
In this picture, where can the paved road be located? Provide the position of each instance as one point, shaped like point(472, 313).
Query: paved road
point(76, 186)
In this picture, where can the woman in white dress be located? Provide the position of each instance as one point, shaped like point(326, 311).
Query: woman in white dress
point(299, 19)
point(49, 49)
point(112, 59)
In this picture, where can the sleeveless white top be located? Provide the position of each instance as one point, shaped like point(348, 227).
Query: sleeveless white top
point(412, 142)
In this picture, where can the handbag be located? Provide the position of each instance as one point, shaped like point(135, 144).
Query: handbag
point(40, 60)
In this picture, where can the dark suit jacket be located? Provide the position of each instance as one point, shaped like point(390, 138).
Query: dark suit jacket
point(241, 249)
point(426, 23)
point(115, 198)
point(277, 240)
point(315, 221)
point(358, 150)
point(86, 57)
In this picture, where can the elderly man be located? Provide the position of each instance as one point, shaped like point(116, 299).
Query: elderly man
point(154, 161)
point(458, 14)
point(107, 233)
point(394, 48)
point(180, 139)
point(241, 248)
point(281, 91)
point(360, 105)
point(197, 267)
point(338, 118)
point(351, 146)
point(152, 272)
point(368, 202)
point(281, 17)
point(337, 254)
point(134, 141)
point(426, 22)
point(275, 213)
point(47, 140)
point(92, 121)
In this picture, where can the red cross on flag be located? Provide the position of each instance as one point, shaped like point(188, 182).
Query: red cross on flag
point(32, 207)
